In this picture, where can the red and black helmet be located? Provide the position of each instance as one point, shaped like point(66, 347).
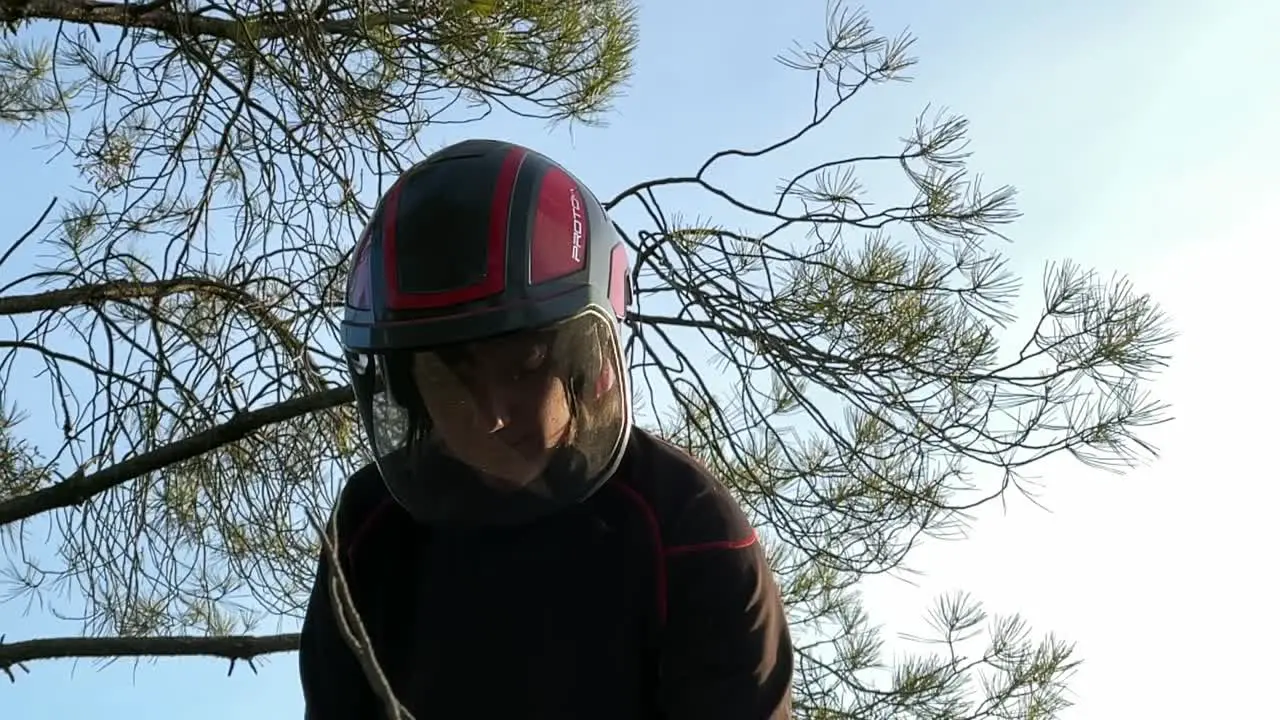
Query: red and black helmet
point(487, 270)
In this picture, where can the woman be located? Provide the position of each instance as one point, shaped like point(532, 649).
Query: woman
point(517, 549)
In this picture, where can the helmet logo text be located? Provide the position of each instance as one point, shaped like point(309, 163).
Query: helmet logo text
point(575, 207)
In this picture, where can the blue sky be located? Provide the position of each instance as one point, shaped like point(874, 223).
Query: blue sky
point(1140, 137)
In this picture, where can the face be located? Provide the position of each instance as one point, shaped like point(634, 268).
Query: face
point(501, 411)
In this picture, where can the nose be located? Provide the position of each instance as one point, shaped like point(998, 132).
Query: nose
point(493, 410)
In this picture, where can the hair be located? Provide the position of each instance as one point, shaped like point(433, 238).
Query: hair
point(589, 409)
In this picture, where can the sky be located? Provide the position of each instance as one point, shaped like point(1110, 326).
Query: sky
point(1139, 135)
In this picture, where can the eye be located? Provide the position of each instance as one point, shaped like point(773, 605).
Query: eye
point(536, 358)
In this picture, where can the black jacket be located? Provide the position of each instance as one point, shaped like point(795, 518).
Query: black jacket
point(653, 599)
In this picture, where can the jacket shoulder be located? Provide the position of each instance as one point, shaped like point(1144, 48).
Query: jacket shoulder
point(363, 505)
point(691, 507)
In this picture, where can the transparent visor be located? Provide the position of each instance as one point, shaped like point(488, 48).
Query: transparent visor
point(498, 430)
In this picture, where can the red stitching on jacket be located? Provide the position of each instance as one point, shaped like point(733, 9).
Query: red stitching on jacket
point(714, 545)
point(660, 556)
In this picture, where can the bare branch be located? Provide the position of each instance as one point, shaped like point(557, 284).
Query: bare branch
point(115, 291)
point(79, 488)
point(14, 655)
point(22, 239)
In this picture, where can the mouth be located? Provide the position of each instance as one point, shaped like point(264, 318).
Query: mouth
point(528, 445)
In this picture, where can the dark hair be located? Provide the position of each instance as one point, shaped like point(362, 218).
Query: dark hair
point(602, 413)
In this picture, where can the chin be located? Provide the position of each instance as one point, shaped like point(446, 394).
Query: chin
point(516, 477)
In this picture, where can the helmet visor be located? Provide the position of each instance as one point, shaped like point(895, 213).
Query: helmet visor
point(498, 430)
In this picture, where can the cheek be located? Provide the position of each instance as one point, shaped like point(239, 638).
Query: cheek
point(455, 423)
point(555, 410)
point(445, 412)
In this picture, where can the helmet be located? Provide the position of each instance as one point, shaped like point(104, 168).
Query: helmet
point(482, 337)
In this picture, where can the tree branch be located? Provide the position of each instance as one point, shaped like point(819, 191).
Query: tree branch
point(230, 647)
point(125, 290)
point(162, 17)
point(80, 487)
point(116, 290)
point(30, 231)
